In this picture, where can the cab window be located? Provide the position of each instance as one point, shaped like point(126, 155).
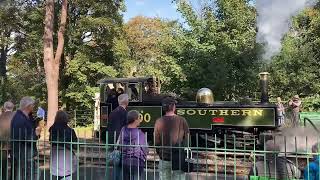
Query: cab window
point(135, 92)
point(113, 90)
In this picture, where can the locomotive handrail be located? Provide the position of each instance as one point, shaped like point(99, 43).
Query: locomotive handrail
point(312, 124)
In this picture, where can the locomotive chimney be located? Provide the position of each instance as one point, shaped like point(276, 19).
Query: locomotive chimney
point(264, 87)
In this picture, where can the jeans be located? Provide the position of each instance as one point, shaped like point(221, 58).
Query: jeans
point(116, 172)
point(166, 172)
point(133, 173)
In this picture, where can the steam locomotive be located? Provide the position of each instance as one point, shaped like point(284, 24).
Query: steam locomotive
point(216, 122)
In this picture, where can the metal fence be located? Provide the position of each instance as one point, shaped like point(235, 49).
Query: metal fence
point(285, 154)
point(81, 118)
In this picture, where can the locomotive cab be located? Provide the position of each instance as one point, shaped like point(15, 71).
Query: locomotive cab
point(141, 91)
point(138, 89)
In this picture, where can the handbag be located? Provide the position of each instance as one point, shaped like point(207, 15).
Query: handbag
point(179, 159)
point(179, 156)
point(115, 155)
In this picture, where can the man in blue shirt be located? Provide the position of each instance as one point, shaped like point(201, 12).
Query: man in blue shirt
point(41, 113)
point(24, 136)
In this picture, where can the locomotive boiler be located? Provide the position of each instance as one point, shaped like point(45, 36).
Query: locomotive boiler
point(222, 123)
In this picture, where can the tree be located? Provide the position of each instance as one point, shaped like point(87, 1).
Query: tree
point(51, 61)
point(26, 72)
point(87, 57)
point(91, 32)
point(143, 50)
point(296, 69)
point(218, 48)
point(10, 24)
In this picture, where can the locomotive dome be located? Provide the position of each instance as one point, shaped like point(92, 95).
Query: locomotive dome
point(205, 96)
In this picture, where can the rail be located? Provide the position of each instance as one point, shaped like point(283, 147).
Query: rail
point(92, 158)
point(312, 124)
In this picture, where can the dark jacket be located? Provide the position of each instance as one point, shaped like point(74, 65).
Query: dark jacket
point(117, 120)
point(113, 99)
point(311, 172)
point(136, 149)
point(62, 136)
point(23, 136)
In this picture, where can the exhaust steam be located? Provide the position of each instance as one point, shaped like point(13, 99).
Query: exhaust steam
point(274, 21)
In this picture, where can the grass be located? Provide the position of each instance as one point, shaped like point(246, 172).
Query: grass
point(84, 132)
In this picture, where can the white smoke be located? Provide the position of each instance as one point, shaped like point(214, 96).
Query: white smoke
point(297, 140)
point(274, 20)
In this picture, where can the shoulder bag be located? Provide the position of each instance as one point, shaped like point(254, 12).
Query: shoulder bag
point(179, 155)
point(115, 155)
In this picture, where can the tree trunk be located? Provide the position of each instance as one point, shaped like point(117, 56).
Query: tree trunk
point(3, 74)
point(51, 61)
point(3, 62)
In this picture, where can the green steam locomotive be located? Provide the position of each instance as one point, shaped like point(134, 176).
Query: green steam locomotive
point(208, 120)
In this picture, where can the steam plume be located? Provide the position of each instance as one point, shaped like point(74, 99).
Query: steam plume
point(274, 17)
point(297, 140)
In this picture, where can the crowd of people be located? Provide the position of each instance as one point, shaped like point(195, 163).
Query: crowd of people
point(170, 130)
point(23, 131)
point(20, 132)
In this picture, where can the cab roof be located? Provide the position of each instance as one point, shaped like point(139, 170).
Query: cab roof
point(122, 80)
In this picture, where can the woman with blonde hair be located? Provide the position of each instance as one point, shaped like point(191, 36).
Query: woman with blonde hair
point(63, 159)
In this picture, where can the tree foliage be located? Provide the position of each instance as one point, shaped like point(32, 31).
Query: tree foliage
point(88, 56)
point(142, 50)
point(215, 47)
point(296, 69)
point(10, 20)
point(218, 48)
point(92, 28)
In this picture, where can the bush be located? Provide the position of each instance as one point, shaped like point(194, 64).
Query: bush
point(311, 103)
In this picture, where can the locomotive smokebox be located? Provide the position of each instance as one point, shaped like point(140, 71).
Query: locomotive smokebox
point(264, 76)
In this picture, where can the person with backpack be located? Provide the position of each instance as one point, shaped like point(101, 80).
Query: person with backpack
point(171, 134)
point(311, 172)
point(134, 148)
point(63, 161)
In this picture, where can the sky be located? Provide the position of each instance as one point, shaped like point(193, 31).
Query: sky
point(151, 8)
point(154, 8)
